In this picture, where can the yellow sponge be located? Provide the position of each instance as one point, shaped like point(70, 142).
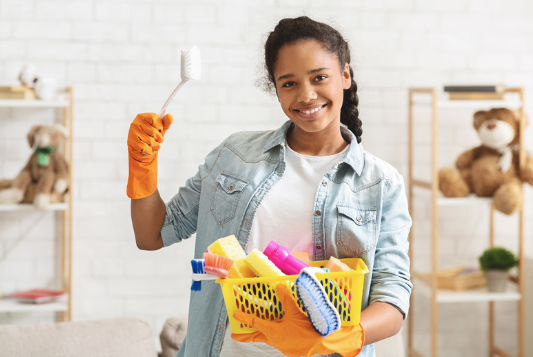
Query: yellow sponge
point(335, 265)
point(229, 247)
point(261, 265)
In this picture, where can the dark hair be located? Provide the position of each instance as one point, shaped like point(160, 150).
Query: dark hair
point(301, 28)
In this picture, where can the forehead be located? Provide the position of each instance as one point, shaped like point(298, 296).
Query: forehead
point(302, 56)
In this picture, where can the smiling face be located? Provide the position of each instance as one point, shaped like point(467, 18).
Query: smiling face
point(310, 87)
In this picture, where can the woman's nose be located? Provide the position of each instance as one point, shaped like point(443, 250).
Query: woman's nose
point(306, 93)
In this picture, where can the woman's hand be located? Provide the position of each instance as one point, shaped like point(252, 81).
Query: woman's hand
point(144, 139)
point(294, 335)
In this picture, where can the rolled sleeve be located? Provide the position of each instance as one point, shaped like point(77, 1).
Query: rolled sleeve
point(181, 220)
point(391, 280)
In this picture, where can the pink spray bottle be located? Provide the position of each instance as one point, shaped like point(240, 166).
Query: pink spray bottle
point(283, 259)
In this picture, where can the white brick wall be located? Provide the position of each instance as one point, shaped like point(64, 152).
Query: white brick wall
point(122, 57)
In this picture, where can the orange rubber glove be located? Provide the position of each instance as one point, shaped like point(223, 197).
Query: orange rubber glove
point(294, 335)
point(144, 139)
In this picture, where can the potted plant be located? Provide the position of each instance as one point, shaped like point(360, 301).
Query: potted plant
point(496, 262)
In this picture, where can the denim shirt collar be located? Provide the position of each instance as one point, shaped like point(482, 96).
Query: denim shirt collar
point(354, 157)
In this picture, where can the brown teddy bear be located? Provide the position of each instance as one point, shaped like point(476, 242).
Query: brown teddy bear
point(491, 169)
point(46, 169)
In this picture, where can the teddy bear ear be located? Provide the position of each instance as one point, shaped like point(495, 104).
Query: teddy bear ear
point(31, 134)
point(61, 129)
point(480, 114)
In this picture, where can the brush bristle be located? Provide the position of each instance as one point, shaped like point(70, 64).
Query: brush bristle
point(217, 264)
point(191, 64)
point(197, 268)
point(323, 315)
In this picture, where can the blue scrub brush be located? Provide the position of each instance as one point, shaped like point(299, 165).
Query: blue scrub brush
point(217, 267)
point(323, 315)
point(197, 269)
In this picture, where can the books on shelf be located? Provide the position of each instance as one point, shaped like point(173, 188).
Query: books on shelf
point(475, 92)
point(460, 278)
point(475, 89)
point(36, 296)
point(17, 92)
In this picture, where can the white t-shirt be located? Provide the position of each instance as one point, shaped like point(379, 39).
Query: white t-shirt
point(285, 215)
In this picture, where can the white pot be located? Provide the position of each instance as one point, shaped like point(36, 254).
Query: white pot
point(46, 88)
point(497, 280)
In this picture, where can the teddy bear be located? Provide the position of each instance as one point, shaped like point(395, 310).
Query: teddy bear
point(492, 168)
point(46, 168)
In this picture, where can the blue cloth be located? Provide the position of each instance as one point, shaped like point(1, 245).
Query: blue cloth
point(360, 211)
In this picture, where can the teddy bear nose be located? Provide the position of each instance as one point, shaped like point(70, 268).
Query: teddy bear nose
point(491, 126)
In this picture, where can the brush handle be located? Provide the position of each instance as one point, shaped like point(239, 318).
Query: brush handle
point(203, 276)
point(164, 109)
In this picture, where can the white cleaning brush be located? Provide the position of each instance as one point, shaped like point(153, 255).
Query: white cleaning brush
point(190, 69)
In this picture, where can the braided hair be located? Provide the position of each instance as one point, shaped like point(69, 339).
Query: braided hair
point(303, 28)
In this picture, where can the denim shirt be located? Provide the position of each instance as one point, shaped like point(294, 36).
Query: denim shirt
point(360, 210)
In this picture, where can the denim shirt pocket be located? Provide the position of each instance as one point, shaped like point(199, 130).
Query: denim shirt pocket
point(356, 230)
point(227, 193)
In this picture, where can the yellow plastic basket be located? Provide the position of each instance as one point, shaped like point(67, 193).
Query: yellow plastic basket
point(257, 296)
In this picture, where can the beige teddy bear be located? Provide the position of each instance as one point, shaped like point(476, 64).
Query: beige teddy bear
point(491, 169)
point(47, 169)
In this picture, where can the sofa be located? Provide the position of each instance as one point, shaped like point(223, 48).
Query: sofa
point(114, 337)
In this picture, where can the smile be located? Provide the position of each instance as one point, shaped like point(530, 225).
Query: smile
point(311, 111)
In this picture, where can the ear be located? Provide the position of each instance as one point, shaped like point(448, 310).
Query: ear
point(347, 78)
point(478, 118)
point(31, 134)
point(61, 129)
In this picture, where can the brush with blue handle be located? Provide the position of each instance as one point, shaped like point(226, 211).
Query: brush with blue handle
point(323, 316)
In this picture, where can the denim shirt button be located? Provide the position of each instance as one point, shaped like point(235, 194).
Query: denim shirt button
point(359, 219)
point(318, 247)
point(317, 213)
point(324, 183)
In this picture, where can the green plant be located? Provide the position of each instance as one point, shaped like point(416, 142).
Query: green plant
point(497, 258)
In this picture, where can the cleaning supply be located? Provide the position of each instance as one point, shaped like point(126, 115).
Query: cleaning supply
point(199, 274)
point(261, 292)
point(191, 68)
point(323, 315)
point(147, 131)
point(217, 264)
point(335, 265)
point(293, 334)
point(260, 264)
point(144, 139)
point(303, 256)
point(229, 247)
point(282, 258)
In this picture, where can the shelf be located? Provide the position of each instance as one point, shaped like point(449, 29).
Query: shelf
point(510, 104)
point(471, 199)
point(463, 201)
point(19, 103)
point(471, 295)
point(13, 306)
point(434, 101)
point(30, 207)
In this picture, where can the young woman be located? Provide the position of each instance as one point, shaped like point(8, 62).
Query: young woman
point(309, 185)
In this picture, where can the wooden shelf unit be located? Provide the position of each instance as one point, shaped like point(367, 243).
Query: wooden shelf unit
point(64, 209)
point(429, 285)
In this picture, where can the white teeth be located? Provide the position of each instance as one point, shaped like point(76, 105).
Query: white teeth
point(311, 111)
